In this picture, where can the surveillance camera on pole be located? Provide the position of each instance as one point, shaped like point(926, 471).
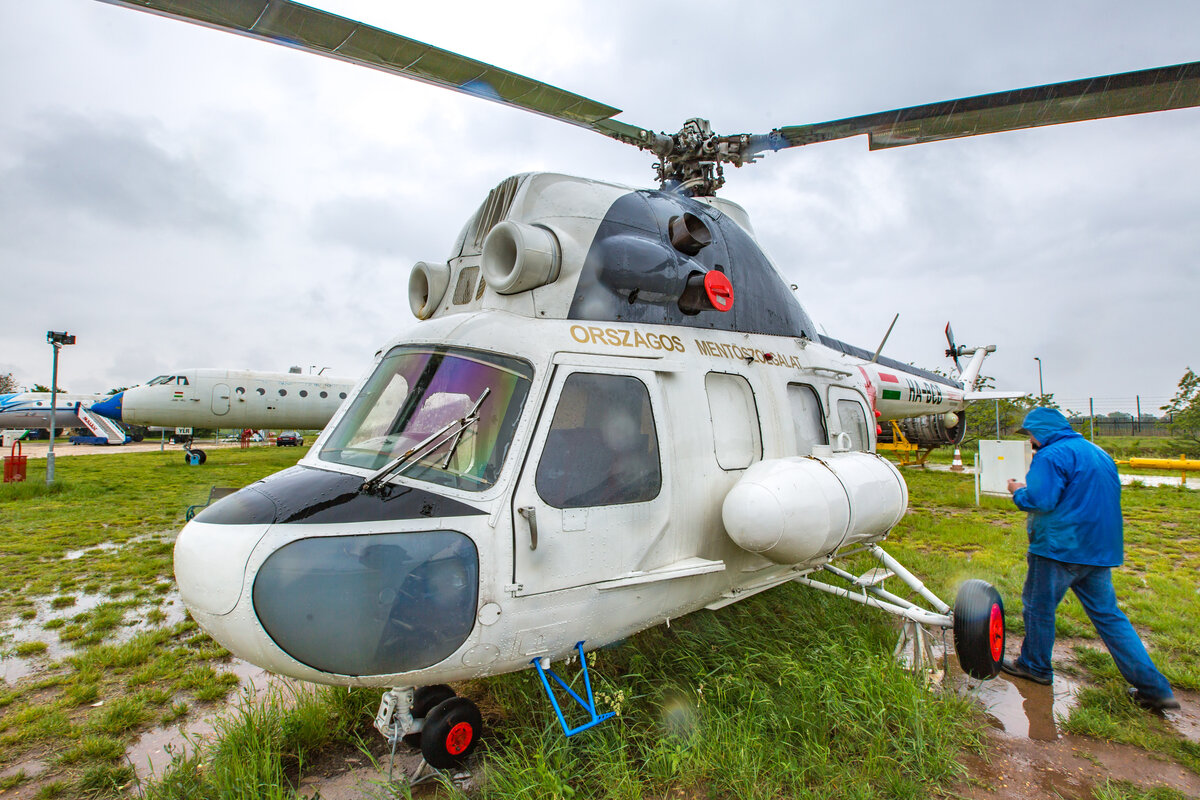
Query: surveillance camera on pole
point(57, 340)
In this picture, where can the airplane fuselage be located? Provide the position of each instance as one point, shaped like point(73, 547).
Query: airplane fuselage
point(218, 398)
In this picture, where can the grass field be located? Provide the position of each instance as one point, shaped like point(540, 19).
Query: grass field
point(788, 694)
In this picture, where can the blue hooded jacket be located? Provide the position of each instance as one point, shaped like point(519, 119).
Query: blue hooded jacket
point(1072, 494)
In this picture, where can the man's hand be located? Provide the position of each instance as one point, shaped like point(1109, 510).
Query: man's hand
point(1013, 485)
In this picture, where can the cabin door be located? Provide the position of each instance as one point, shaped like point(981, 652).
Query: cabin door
point(220, 399)
point(592, 501)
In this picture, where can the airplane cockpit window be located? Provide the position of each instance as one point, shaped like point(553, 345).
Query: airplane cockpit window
point(416, 401)
point(807, 419)
point(854, 422)
point(157, 380)
point(602, 447)
point(183, 381)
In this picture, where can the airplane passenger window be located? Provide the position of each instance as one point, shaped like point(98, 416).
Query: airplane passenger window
point(283, 392)
point(324, 395)
point(240, 390)
point(261, 390)
point(304, 393)
point(807, 419)
point(342, 395)
point(854, 422)
point(602, 447)
point(736, 433)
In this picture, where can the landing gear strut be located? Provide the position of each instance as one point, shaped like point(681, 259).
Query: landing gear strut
point(977, 618)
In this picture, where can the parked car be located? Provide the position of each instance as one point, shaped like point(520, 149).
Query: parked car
point(289, 439)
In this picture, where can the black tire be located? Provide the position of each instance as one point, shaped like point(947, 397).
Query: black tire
point(425, 698)
point(203, 456)
point(979, 629)
point(451, 733)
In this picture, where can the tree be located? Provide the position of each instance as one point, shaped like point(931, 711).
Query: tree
point(37, 387)
point(118, 390)
point(7, 383)
point(1184, 411)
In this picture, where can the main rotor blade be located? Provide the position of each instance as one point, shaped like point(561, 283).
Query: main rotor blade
point(1117, 95)
point(315, 31)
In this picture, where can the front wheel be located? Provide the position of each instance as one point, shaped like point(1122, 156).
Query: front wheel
point(451, 733)
point(979, 629)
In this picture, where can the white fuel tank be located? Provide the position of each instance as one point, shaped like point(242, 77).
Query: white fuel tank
point(791, 510)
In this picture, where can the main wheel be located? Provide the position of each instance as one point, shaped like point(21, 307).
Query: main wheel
point(451, 733)
point(979, 629)
point(424, 700)
point(200, 454)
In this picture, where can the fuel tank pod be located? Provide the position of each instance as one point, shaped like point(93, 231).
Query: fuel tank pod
point(792, 510)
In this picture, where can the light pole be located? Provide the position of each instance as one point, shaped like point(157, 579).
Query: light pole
point(56, 339)
point(1041, 388)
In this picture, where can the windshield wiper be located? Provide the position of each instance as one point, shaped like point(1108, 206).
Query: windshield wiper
point(451, 430)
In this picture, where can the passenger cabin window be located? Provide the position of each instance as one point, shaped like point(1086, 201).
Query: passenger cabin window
point(261, 390)
point(283, 392)
point(807, 419)
point(602, 447)
point(304, 393)
point(324, 395)
point(736, 432)
point(854, 422)
point(240, 390)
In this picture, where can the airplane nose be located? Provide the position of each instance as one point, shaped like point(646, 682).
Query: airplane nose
point(110, 408)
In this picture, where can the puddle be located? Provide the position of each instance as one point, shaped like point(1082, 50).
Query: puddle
point(18, 631)
point(1023, 709)
point(154, 749)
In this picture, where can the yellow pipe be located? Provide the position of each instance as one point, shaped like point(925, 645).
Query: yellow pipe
point(1163, 463)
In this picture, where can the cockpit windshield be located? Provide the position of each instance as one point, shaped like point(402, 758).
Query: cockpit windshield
point(417, 391)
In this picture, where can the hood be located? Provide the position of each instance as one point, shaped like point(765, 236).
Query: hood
point(1046, 425)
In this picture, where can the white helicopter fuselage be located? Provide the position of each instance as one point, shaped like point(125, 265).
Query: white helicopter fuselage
point(620, 471)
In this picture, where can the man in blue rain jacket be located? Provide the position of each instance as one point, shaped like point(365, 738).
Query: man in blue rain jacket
point(1073, 496)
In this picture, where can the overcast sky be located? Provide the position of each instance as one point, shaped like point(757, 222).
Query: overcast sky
point(178, 197)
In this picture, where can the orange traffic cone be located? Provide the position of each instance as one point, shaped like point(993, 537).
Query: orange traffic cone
point(957, 466)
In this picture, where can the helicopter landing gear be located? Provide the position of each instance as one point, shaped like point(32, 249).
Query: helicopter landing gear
point(977, 618)
point(979, 629)
point(542, 665)
point(444, 726)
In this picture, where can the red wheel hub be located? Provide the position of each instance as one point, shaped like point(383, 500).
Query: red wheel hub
point(996, 632)
point(459, 738)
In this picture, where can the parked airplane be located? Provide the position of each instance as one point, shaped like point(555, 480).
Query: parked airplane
point(31, 410)
point(220, 398)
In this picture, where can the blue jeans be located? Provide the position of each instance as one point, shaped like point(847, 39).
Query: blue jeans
point(1045, 585)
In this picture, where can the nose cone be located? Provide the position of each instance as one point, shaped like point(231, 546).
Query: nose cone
point(110, 408)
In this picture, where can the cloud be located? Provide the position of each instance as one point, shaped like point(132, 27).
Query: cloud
point(112, 171)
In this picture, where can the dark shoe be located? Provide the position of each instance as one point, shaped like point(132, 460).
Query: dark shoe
point(1153, 703)
point(1017, 671)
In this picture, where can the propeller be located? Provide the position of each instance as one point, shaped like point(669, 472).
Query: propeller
point(692, 159)
point(954, 351)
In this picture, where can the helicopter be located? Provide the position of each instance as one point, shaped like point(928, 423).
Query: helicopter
point(612, 412)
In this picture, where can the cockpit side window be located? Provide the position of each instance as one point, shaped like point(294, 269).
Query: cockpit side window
point(183, 381)
point(602, 447)
point(157, 380)
point(808, 421)
point(854, 422)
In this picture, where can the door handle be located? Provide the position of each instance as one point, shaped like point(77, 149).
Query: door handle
point(530, 515)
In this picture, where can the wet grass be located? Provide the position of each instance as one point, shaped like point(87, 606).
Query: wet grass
point(86, 591)
point(788, 694)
